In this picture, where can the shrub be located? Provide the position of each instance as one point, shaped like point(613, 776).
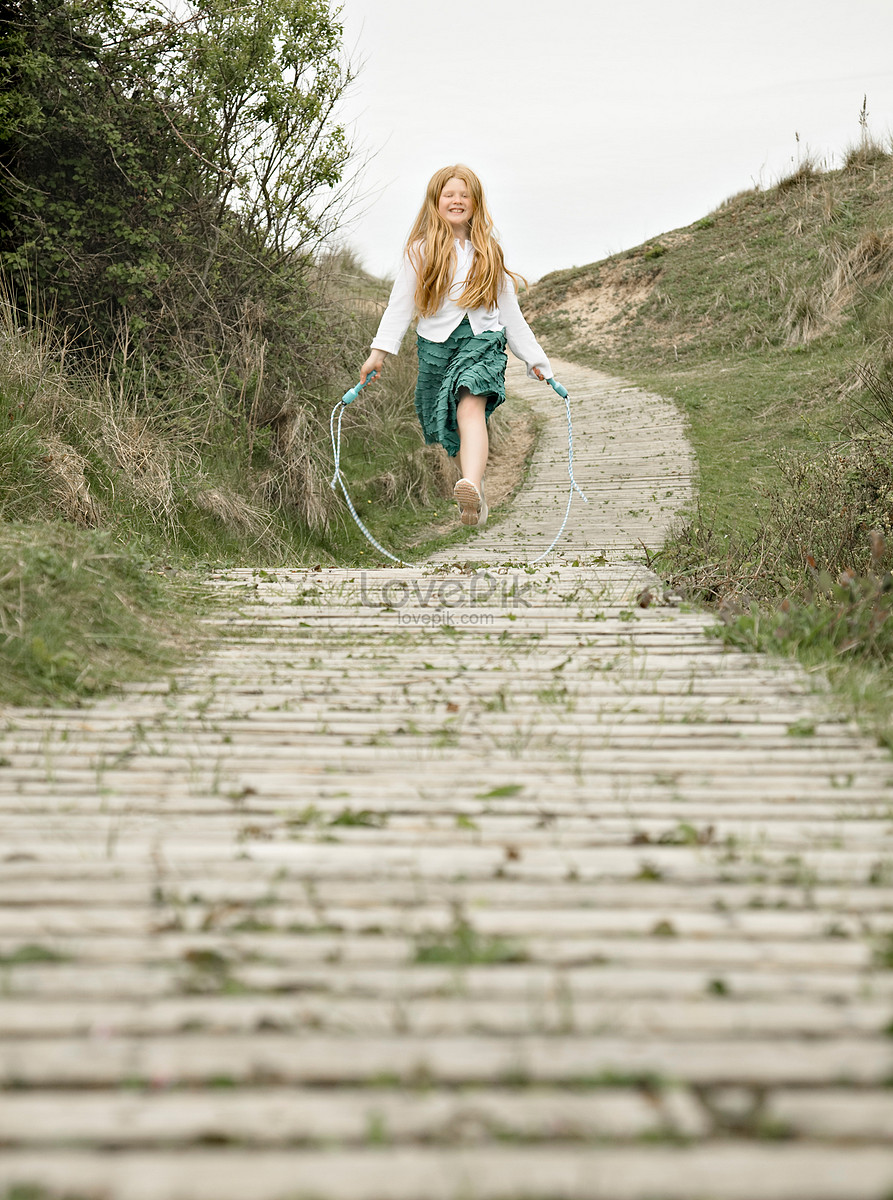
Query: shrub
point(824, 516)
point(849, 617)
point(172, 173)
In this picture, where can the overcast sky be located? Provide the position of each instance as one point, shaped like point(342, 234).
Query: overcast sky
point(597, 125)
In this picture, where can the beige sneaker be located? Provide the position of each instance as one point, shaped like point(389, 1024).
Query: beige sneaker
point(470, 501)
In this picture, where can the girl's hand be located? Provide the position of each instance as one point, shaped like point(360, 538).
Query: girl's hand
point(374, 362)
point(538, 373)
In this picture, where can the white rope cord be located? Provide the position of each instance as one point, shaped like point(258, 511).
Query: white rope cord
point(575, 487)
point(337, 479)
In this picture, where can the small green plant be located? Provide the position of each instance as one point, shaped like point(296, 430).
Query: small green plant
point(686, 834)
point(883, 952)
point(498, 702)
point(311, 815)
point(465, 822)
point(836, 930)
point(377, 1129)
point(251, 924)
point(207, 971)
point(556, 695)
point(31, 953)
point(649, 872)
point(461, 943)
point(880, 873)
point(447, 737)
point(503, 791)
point(801, 728)
point(363, 817)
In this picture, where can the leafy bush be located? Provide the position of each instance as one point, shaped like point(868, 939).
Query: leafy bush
point(849, 617)
point(155, 151)
point(831, 514)
point(171, 173)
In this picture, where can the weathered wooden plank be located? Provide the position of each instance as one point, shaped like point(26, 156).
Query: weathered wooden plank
point(269, 1117)
point(771, 936)
point(199, 1059)
point(395, 982)
point(559, 1009)
point(724, 1171)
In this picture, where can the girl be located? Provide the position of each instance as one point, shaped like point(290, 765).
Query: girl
point(453, 274)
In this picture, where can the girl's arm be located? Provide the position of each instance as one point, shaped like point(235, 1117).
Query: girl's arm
point(394, 321)
point(401, 306)
point(518, 333)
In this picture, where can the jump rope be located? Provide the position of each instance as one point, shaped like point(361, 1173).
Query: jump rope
point(338, 479)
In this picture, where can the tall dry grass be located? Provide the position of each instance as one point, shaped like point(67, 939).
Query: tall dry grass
point(208, 456)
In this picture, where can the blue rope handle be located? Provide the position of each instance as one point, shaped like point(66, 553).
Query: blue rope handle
point(575, 487)
point(350, 396)
point(337, 479)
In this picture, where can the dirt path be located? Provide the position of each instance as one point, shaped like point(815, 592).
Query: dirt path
point(431, 883)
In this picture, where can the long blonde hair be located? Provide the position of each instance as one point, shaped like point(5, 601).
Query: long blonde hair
point(432, 254)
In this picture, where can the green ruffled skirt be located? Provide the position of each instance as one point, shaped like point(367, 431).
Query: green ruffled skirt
point(464, 360)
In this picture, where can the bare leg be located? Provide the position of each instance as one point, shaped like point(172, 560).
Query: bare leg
point(474, 445)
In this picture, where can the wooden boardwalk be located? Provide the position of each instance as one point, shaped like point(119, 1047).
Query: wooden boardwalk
point(448, 883)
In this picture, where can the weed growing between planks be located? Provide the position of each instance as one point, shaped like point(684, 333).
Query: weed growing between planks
point(462, 944)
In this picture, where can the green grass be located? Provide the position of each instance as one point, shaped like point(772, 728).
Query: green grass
point(88, 444)
point(29, 1191)
point(362, 817)
point(770, 323)
point(883, 953)
point(80, 612)
point(743, 411)
point(31, 952)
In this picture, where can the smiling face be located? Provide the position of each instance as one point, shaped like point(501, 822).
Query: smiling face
point(456, 206)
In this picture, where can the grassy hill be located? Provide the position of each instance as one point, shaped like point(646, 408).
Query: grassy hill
point(770, 321)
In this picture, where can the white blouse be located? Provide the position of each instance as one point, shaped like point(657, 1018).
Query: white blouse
point(505, 315)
